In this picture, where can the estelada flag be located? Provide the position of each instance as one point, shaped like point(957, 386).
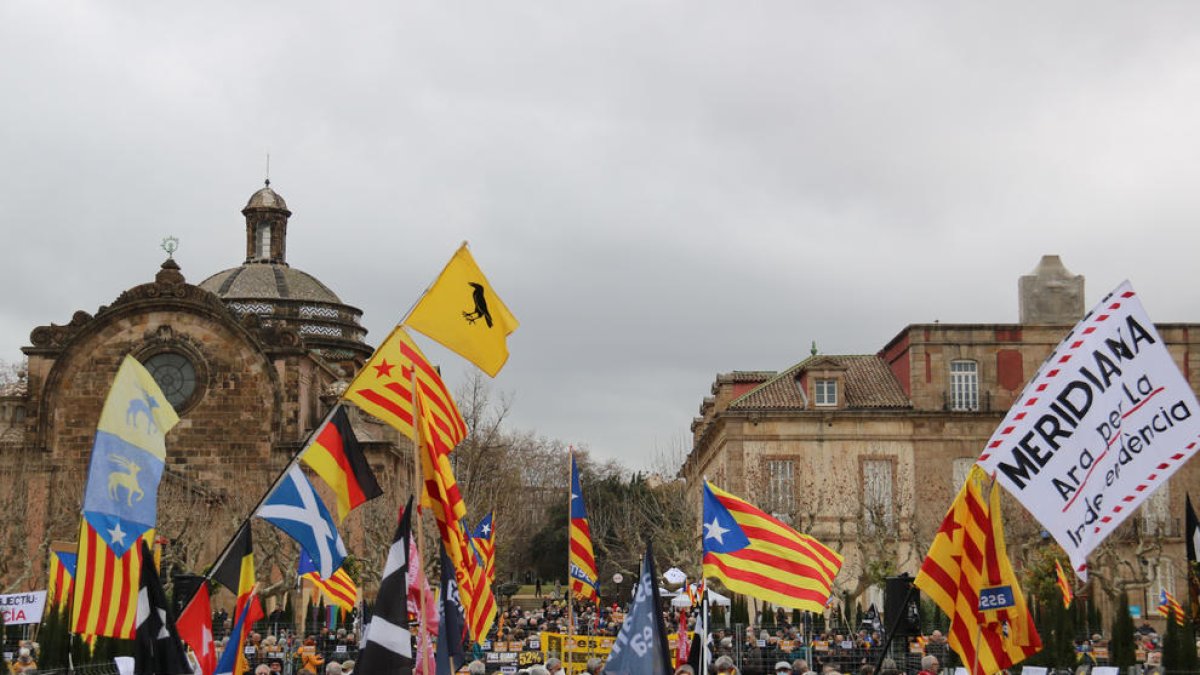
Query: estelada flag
point(968, 574)
point(338, 459)
point(462, 311)
point(754, 553)
point(383, 388)
point(104, 601)
point(585, 580)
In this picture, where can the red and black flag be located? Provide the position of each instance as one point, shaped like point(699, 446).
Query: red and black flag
point(338, 459)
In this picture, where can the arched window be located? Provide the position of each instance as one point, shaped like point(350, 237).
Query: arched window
point(964, 385)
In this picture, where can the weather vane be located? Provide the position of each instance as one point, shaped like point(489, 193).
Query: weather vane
point(170, 245)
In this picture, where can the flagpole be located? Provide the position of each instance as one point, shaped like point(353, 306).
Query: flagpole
point(278, 479)
point(568, 594)
point(979, 624)
point(417, 481)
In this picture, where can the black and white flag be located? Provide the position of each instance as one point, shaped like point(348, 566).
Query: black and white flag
point(387, 643)
point(157, 648)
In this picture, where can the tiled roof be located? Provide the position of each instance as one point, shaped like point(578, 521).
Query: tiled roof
point(746, 376)
point(869, 384)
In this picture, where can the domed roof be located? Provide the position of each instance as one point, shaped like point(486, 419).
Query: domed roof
point(268, 281)
point(266, 198)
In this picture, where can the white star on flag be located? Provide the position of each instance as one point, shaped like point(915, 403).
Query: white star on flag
point(714, 530)
point(116, 534)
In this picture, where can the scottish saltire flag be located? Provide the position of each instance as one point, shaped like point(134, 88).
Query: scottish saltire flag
point(295, 508)
point(121, 498)
point(585, 580)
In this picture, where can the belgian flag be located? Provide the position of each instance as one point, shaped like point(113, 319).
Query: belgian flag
point(338, 459)
point(236, 572)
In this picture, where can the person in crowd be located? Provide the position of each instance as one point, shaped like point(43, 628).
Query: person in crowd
point(333, 668)
point(929, 665)
point(262, 669)
point(538, 670)
point(348, 667)
point(783, 668)
point(594, 666)
point(724, 666)
point(799, 666)
point(476, 667)
point(553, 665)
point(685, 669)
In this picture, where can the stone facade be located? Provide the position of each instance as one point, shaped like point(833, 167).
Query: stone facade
point(866, 452)
point(250, 385)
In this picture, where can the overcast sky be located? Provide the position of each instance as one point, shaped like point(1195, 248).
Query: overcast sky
point(660, 191)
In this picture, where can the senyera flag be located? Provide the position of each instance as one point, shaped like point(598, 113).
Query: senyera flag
point(1107, 420)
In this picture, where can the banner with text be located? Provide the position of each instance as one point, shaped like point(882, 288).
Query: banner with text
point(1106, 420)
point(21, 608)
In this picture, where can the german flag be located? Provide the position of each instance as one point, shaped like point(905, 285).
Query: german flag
point(338, 589)
point(756, 554)
point(106, 587)
point(236, 573)
point(338, 459)
point(968, 574)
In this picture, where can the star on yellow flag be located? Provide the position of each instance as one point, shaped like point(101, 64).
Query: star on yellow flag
point(463, 313)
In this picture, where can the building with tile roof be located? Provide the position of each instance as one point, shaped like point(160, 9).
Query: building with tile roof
point(866, 451)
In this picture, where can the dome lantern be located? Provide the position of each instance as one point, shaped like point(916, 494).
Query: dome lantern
point(266, 226)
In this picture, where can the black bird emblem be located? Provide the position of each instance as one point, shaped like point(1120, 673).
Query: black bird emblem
point(481, 310)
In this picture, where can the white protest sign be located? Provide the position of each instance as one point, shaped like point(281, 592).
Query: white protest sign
point(21, 608)
point(1106, 420)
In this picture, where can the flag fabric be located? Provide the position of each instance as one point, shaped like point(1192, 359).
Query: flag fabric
point(60, 578)
point(236, 573)
point(104, 601)
point(484, 537)
point(157, 648)
point(339, 589)
point(756, 554)
point(423, 605)
point(384, 387)
point(641, 646)
point(681, 641)
point(338, 459)
point(700, 651)
point(695, 591)
point(968, 574)
point(450, 653)
point(233, 659)
point(387, 644)
point(1063, 584)
point(1193, 557)
point(462, 312)
point(121, 497)
point(1169, 607)
point(585, 580)
point(294, 507)
point(195, 628)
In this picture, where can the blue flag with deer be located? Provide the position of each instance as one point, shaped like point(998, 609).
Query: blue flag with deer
point(121, 499)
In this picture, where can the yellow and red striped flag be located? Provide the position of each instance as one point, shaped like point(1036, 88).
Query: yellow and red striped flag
point(1168, 606)
point(384, 388)
point(106, 587)
point(484, 537)
point(338, 589)
point(60, 577)
point(585, 580)
point(968, 574)
point(756, 554)
point(1063, 584)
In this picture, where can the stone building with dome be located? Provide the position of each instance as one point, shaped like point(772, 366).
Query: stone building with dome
point(252, 358)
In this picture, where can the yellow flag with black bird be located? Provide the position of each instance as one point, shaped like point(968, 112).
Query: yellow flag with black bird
point(462, 312)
